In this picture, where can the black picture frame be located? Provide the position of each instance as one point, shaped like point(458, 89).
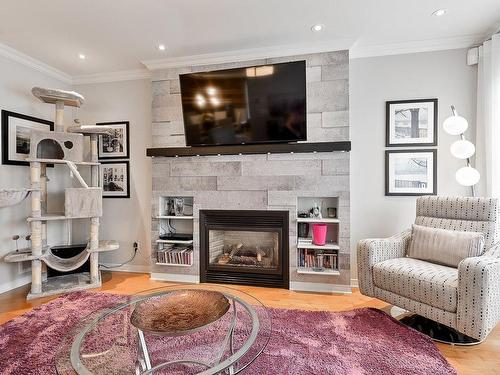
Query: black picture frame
point(115, 156)
point(388, 110)
point(6, 129)
point(390, 193)
point(108, 194)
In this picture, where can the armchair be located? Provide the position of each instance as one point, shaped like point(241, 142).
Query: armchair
point(466, 298)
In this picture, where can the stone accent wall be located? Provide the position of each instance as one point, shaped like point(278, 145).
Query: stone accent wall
point(271, 182)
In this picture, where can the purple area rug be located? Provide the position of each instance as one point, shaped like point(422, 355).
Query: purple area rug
point(358, 342)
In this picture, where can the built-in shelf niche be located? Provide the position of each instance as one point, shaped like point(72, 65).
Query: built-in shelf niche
point(312, 259)
point(174, 251)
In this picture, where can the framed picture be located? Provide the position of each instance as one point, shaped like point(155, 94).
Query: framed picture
point(411, 123)
point(115, 146)
point(411, 172)
point(16, 130)
point(115, 179)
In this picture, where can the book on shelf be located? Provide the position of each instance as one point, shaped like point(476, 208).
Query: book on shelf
point(308, 258)
point(175, 254)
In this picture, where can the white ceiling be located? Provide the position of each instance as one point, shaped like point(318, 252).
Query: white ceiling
point(116, 35)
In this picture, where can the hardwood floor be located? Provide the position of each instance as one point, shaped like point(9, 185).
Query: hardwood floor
point(483, 359)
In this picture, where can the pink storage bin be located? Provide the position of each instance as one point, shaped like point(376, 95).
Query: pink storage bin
point(319, 234)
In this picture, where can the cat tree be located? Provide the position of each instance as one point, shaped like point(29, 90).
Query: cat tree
point(85, 202)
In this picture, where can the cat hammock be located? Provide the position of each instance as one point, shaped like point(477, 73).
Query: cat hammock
point(11, 197)
point(66, 148)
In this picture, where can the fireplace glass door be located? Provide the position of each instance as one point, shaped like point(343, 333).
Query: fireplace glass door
point(244, 249)
point(247, 247)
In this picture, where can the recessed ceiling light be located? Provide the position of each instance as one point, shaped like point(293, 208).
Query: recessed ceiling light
point(439, 12)
point(81, 56)
point(162, 47)
point(317, 27)
point(215, 101)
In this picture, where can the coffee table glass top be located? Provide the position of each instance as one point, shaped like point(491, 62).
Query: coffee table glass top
point(184, 329)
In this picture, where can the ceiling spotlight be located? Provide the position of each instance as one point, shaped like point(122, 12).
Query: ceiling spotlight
point(439, 12)
point(161, 47)
point(215, 101)
point(211, 91)
point(200, 100)
point(81, 56)
point(317, 27)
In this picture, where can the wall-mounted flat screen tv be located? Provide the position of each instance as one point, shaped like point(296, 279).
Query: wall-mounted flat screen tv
point(259, 104)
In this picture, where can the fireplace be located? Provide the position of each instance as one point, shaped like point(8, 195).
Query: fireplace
point(244, 247)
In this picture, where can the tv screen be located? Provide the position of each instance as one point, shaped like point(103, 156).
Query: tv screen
point(260, 104)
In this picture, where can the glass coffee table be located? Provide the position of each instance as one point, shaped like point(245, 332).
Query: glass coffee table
point(185, 329)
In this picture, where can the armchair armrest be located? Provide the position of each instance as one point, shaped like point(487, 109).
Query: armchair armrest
point(478, 307)
point(373, 251)
point(493, 252)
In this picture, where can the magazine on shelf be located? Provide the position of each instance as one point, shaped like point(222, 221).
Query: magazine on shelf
point(175, 254)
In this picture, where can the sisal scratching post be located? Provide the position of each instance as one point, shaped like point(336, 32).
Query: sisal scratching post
point(36, 205)
point(59, 120)
point(94, 158)
point(36, 250)
point(93, 148)
point(93, 245)
point(36, 228)
point(43, 187)
point(94, 225)
point(44, 233)
point(94, 267)
point(36, 276)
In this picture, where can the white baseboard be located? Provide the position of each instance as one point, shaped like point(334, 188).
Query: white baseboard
point(195, 279)
point(354, 283)
point(136, 268)
point(319, 287)
point(20, 281)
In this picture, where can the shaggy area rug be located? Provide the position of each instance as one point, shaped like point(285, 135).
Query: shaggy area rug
point(358, 342)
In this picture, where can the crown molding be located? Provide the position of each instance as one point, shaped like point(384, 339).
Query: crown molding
point(124, 75)
point(35, 64)
point(357, 52)
point(249, 54)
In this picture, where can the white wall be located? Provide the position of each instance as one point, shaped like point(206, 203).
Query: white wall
point(443, 75)
point(16, 82)
point(125, 220)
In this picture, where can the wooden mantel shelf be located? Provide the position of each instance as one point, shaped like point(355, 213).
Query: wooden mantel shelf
point(268, 148)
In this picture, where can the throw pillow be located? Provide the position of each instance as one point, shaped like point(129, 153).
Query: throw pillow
point(442, 246)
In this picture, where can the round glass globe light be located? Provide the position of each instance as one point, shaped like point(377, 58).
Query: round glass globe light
point(462, 149)
point(455, 125)
point(467, 176)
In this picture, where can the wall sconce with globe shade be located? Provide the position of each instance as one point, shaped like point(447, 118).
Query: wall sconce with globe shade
point(462, 149)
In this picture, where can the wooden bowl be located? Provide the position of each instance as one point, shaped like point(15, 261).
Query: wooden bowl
point(179, 312)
